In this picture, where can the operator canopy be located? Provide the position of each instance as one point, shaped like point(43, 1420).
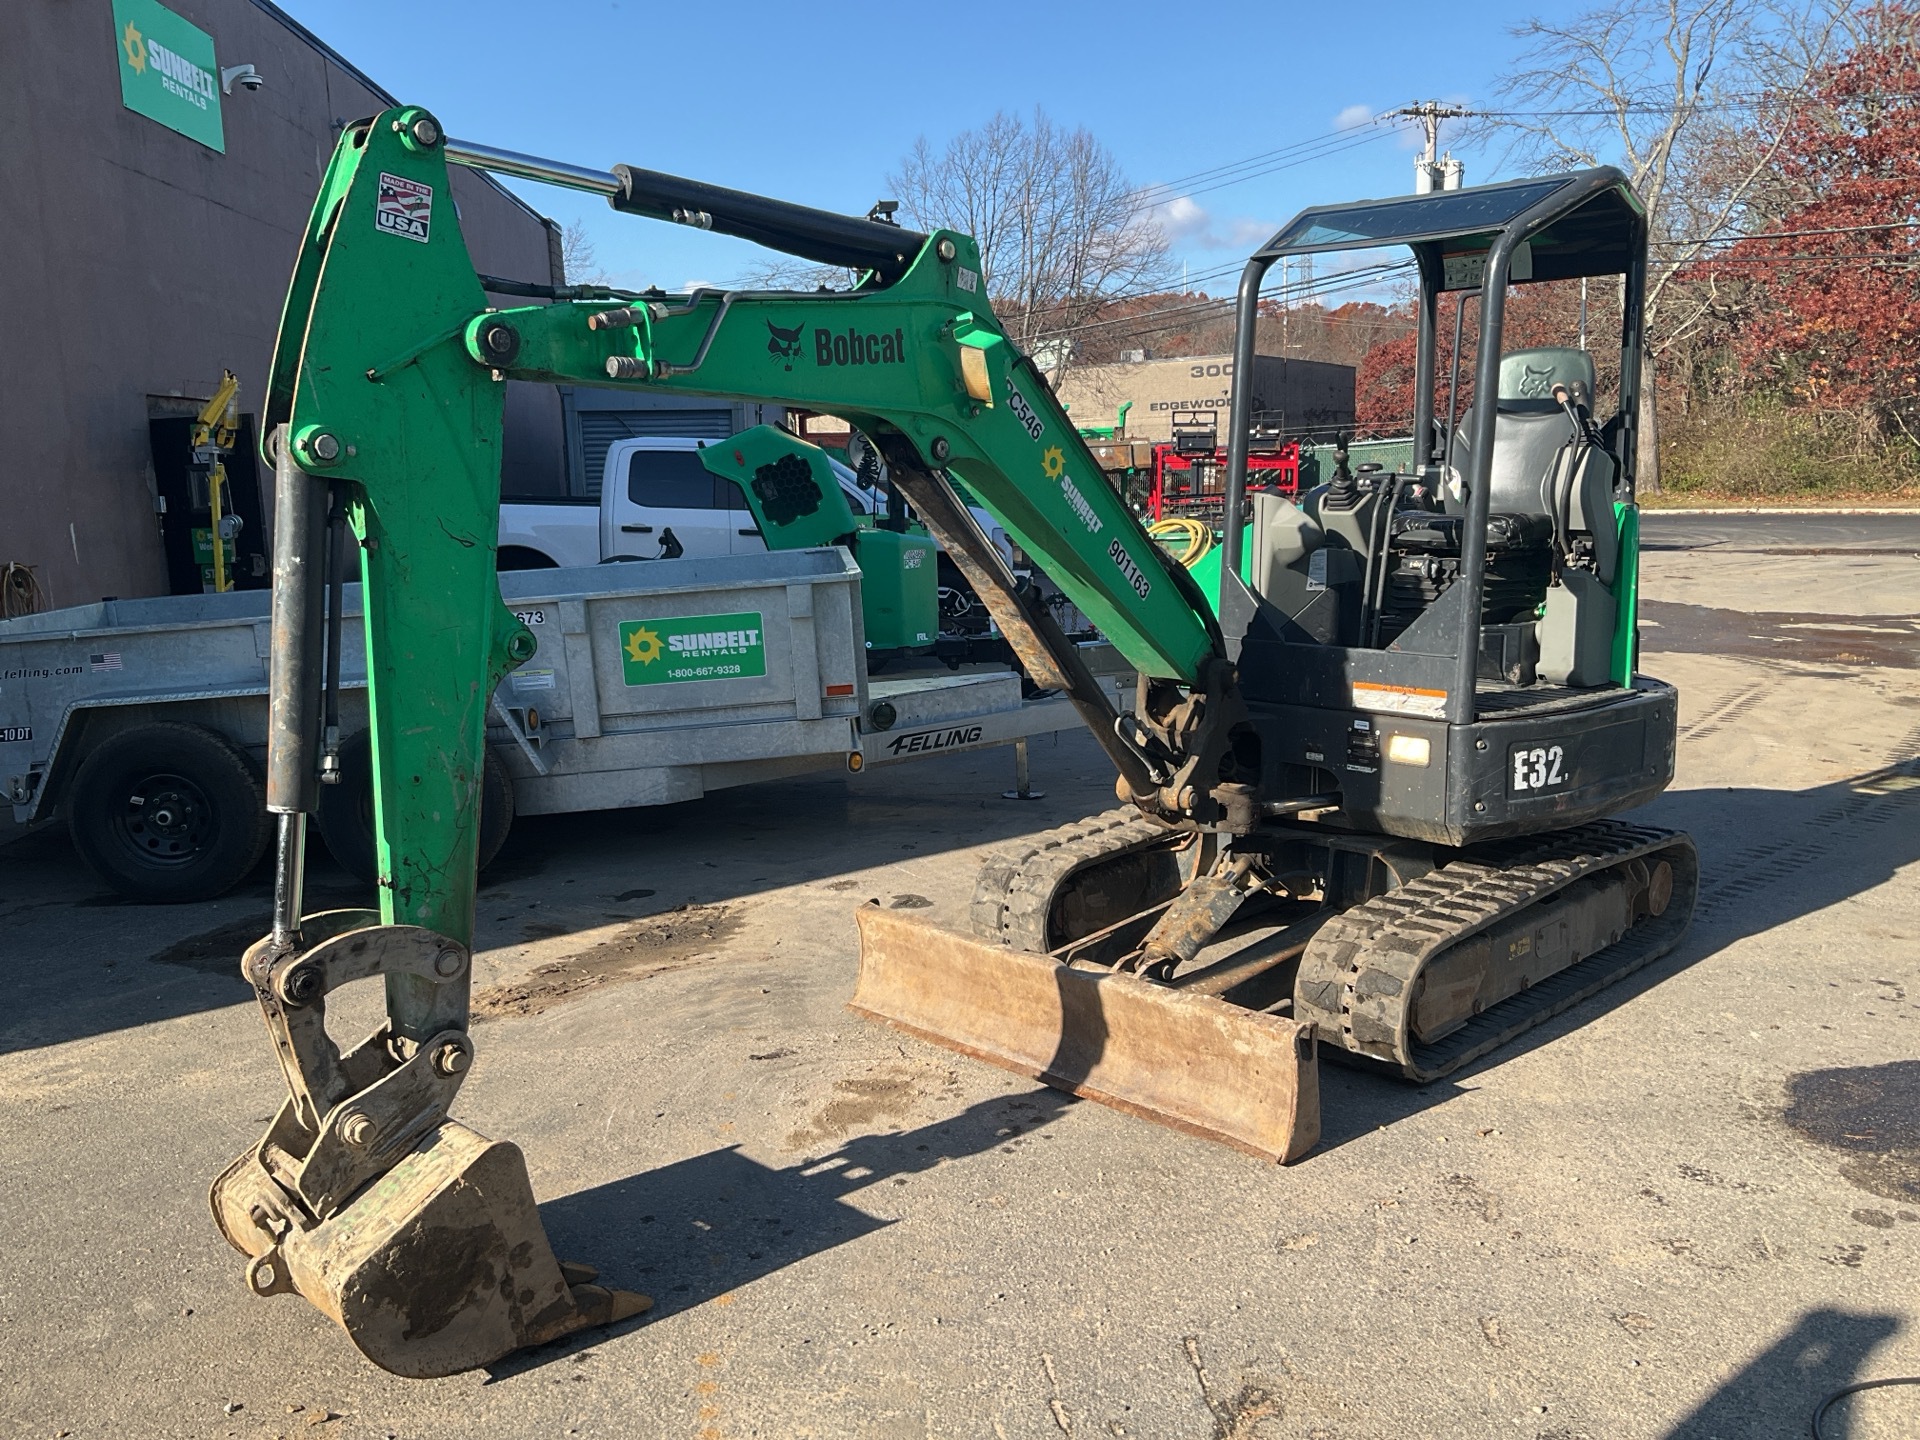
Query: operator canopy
point(1584, 223)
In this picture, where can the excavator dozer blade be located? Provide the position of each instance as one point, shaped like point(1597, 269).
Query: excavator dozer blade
point(438, 1266)
point(1190, 1061)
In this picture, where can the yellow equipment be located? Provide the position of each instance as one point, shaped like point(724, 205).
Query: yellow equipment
point(214, 431)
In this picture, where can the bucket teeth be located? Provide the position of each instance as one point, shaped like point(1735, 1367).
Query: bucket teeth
point(600, 1306)
point(574, 1273)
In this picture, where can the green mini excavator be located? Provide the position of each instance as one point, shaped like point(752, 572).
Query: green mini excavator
point(1363, 807)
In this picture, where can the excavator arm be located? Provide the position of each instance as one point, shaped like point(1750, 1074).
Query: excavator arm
point(384, 416)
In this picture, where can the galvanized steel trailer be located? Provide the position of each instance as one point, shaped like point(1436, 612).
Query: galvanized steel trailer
point(144, 722)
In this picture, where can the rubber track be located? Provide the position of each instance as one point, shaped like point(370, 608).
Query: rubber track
point(1357, 978)
point(1017, 884)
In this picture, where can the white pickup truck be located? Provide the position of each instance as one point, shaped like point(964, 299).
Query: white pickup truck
point(658, 502)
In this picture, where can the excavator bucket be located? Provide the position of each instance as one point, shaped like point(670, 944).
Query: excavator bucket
point(438, 1266)
point(1196, 1063)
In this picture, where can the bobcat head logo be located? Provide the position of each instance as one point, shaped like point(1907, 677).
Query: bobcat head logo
point(784, 345)
point(1535, 384)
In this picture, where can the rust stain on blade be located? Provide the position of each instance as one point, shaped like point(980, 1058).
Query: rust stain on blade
point(1199, 1064)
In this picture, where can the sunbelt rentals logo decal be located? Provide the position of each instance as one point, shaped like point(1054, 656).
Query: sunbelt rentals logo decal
point(167, 71)
point(693, 647)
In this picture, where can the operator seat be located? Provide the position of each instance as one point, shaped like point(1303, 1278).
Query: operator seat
point(1545, 488)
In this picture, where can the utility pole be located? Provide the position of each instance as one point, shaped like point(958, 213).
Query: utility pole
point(1430, 171)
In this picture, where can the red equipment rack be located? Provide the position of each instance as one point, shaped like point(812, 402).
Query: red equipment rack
point(1189, 472)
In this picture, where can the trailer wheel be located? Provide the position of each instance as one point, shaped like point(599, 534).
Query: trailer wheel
point(167, 812)
point(345, 813)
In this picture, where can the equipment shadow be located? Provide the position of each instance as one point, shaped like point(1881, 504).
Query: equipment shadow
point(700, 1228)
point(1767, 857)
point(1774, 1393)
point(728, 845)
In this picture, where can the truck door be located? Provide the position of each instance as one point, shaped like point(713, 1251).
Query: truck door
point(743, 531)
point(667, 488)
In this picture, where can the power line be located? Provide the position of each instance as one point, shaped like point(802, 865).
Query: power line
point(1432, 113)
point(1881, 257)
point(1754, 100)
point(1152, 321)
point(1796, 234)
point(1223, 176)
point(1151, 194)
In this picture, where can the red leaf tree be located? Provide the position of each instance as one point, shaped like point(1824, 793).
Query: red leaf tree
point(1535, 315)
point(1833, 320)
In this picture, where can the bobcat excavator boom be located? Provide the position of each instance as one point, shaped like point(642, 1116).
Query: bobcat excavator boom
point(1330, 829)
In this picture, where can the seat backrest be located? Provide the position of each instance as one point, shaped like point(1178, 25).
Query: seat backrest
point(1527, 377)
point(1529, 429)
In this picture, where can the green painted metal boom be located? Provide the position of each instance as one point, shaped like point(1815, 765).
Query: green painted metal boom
point(387, 373)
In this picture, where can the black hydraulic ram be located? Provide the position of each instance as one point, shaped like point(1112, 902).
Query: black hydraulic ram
point(294, 674)
point(851, 241)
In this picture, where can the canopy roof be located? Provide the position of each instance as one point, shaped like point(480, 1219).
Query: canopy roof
point(1587, 222)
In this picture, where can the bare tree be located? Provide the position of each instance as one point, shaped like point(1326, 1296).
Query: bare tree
point(1061, 231)
point(577, 258)
point(786, 272)
point(1673, 91)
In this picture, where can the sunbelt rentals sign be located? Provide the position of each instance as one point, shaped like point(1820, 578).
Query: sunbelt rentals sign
point(693, 647)
point(167, 71)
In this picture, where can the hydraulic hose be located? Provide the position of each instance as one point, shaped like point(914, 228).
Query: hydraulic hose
point(1193, 538)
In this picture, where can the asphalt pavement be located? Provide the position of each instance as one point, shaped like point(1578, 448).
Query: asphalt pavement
point(1779, 531)
point(1684, 1210)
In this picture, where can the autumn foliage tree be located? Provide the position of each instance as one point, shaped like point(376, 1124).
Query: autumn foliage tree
point(1546, 314)
point(1831, 317)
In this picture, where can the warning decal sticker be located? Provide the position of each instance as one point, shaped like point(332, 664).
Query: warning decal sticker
point(1399, 699)
point(405, 207)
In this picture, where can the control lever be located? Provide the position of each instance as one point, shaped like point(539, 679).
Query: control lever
point(1586, 435)
point(1577, 416)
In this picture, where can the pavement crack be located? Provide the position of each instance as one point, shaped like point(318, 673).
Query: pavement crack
point(1238, 1418)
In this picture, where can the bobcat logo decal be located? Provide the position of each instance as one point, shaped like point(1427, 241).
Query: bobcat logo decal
point(784, 344)
point(1535, 384)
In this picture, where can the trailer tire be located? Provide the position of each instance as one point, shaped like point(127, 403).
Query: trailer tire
point(345, 812)
point(168, 813)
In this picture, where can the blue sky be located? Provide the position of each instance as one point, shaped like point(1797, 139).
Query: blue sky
point(818, 103)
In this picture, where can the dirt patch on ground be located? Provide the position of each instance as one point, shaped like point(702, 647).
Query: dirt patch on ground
point(645, 947)
point(1871, 1114)
point(859, 1104)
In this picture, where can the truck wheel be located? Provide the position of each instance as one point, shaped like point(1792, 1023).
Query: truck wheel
point(345, 813)
point(520, 557)
point(168, 812)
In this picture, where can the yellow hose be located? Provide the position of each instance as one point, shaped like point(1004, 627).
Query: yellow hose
point(1195, 535)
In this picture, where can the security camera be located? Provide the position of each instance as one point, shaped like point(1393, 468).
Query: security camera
point(244, 74)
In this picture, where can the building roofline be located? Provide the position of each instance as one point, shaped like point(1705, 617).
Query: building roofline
point(313, 41)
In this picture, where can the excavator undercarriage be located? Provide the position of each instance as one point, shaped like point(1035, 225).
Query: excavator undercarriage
point(1461, 951)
